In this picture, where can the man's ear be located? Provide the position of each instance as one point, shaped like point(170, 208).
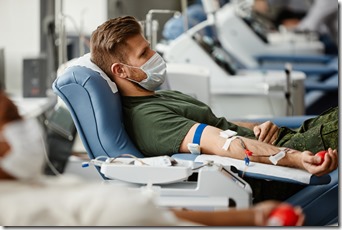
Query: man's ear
point(118, 70)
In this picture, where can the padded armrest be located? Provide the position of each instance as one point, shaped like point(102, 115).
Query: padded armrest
point(309, 70)
point(328, 85)
point(258, 171)
point(291, 122)
point(324, 59)
point(320, 202)
point(315, 65)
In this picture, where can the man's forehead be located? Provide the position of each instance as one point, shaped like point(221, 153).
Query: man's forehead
point(136, 44)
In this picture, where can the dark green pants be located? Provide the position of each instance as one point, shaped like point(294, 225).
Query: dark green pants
point(315, 134)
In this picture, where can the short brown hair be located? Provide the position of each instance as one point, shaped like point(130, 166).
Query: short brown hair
point(107, 40)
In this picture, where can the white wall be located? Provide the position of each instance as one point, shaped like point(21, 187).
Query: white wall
point(86, 14)
point(19, 24)
point(20, 35)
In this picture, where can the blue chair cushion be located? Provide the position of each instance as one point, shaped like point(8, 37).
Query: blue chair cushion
point(291, 122)
point(100, 127)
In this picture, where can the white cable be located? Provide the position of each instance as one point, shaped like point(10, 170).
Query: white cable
point(48, 162)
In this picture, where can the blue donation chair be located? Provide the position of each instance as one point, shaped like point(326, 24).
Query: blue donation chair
point(95, 106)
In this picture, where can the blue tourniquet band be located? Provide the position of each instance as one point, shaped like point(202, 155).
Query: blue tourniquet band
point(198, 133)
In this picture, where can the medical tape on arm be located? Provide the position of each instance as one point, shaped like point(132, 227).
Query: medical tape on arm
point(194, 147)
point(278, 156)
point(230, 136)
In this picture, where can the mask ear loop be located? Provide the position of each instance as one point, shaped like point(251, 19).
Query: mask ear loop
point(134, 67)
point(46, 156)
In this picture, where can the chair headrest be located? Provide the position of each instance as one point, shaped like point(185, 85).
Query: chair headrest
point(95, 106)
point(86, 62)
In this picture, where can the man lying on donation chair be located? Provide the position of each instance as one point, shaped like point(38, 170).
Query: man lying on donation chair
point(28, 198)
point(167, 122)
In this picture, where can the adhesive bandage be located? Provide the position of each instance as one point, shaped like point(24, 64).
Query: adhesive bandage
point(227, 143)
point(230, 135)
point(227, 133)
point(275, 158)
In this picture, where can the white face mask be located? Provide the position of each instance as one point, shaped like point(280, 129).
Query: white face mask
point(25, 158)
point(155, 70)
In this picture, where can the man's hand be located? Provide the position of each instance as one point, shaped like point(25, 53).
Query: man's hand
point(312, 163)
point(266, 132)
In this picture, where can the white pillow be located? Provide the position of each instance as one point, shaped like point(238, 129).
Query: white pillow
point(86, 62)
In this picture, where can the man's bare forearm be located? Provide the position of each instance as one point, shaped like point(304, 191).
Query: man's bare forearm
point(261, 152)
point(213, 143)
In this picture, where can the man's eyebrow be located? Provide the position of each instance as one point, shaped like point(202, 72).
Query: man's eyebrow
point(144, 50)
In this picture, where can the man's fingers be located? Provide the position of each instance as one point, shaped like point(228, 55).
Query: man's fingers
point(263, 133)
point(266, 132)
point(270, 136)
point(332, 158)
point(274, 138)
point(257, 131)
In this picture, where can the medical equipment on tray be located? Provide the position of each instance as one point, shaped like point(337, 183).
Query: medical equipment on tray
point(216, 187)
